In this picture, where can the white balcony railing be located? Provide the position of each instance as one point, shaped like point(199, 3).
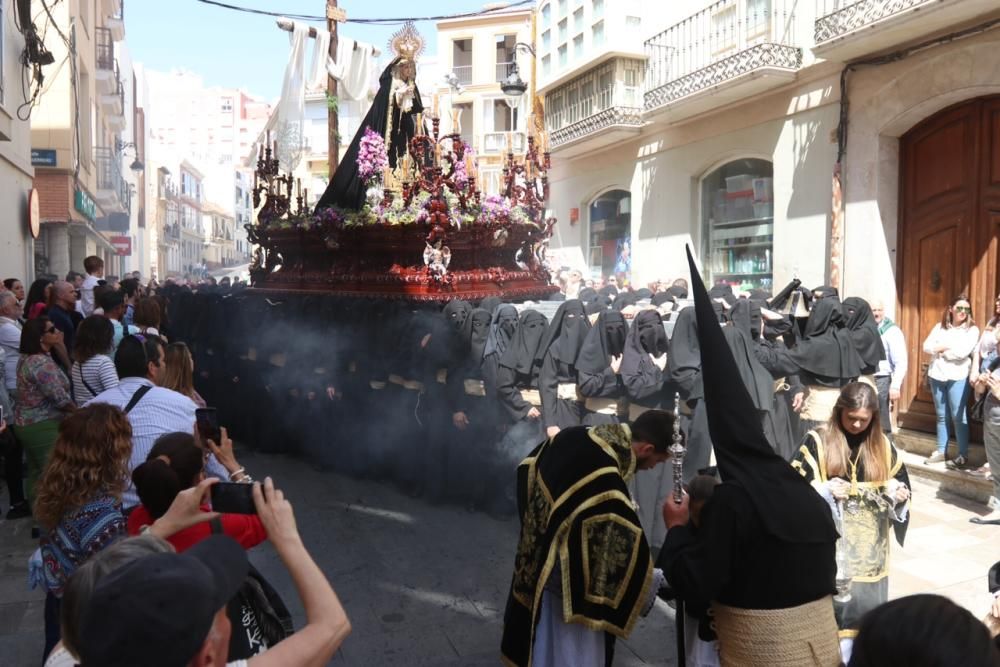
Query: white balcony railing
point(495, 143)
point(463, 73)
point(724, 41)
point(836, 18)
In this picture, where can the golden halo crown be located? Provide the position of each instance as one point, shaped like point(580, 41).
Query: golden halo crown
point(407, 43)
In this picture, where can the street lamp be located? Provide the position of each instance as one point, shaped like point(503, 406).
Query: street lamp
point(513, 86)
point(120, 148)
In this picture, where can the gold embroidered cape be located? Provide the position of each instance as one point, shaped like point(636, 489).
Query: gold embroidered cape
point(576, 513)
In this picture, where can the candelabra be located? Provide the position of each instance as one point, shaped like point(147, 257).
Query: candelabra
point(526, 182)
point(677, 452)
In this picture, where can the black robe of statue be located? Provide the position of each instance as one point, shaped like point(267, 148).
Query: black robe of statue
point(346, 189)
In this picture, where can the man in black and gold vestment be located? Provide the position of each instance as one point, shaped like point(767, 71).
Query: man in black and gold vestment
point(583, 572)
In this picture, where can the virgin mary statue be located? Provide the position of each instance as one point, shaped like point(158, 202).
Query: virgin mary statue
point(393, 115)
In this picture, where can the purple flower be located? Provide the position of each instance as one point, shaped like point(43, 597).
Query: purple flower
point(372, 155)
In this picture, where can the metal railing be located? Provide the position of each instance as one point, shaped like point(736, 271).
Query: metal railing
point(463, 73)
point(108, 168)
point(105, 47)
point(835, 18)
point(724, 40)
point(495, 143)
point(630, 117)
point(504, 70)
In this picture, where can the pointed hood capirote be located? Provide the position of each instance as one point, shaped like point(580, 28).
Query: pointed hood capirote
point(605, 339)
point(789, 508)
point(566, 332)
point(521, 352)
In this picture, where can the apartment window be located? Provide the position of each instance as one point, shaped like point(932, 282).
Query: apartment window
point(227, 105)
point(633, 22)
point(562, 7)
point(546, 40)
point(505, 55)
point(597, 34)
point(578, 19)
point(578, 46)
point(461, 60)
point(546, 16)
point(598, 9)
point(563, 25)
point(562, 56)
point(593, 92)
point(466, 121)
point(546, 65)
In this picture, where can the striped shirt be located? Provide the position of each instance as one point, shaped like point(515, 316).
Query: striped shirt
point(159, 412)
point(92, 377)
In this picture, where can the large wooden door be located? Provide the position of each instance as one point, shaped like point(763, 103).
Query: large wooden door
point(949, 226)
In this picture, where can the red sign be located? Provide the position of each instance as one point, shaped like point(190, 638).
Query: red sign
point(574, 216)
point(123, 245)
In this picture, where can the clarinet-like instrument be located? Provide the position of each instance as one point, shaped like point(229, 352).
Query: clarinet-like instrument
point(677, 451)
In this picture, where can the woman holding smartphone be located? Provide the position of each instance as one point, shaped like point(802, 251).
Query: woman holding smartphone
point(950, 345)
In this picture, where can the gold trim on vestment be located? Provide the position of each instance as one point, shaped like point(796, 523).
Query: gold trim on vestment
point(633, 557)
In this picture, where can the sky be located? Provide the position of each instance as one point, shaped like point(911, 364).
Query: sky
point(248, 51)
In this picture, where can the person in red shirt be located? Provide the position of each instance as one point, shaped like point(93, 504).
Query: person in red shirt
point(174, 464)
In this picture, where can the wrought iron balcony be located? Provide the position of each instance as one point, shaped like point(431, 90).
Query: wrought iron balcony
point(722, 48)
point(116, 19)
point(112, 190)
point(847, 29)
point(613, 118)
point(106, 73)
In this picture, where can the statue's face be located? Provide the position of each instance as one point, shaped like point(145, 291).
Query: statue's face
point(406, 71)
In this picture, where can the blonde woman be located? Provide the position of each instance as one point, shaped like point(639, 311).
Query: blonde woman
point(179, 372)
point(851, 463)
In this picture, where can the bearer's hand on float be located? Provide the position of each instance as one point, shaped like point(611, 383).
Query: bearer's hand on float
point(660, 361)
point(224, 452)
point(552, 431)
point(797, 401)
point(460, 421)
point(616, 363)
point(676, 513)
point(534, 413)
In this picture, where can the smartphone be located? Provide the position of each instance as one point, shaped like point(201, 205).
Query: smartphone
point(207, 420)
point(233, 498)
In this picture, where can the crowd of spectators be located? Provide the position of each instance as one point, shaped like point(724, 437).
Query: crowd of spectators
point(101, 453)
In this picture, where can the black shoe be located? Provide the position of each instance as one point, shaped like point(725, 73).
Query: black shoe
point(20, 510)
point(957, 463)
point(36, 532)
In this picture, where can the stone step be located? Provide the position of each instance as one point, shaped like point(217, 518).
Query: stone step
point(925, 444)
point(964, 483)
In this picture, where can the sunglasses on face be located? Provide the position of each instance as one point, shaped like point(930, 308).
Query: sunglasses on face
point(963, 309)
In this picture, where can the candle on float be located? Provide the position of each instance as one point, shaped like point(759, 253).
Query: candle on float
point(298, 187)
point(510, 146)
point(437, 154)
point(406, 167)
point(305, 196)
point(420, 124)
point(435, 106)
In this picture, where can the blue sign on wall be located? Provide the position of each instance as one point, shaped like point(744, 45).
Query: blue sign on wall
point(43, 157)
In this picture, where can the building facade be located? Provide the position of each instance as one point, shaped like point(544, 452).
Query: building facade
point(77, 138)
point(784, 139)
point(16, 172)
point(477, 54)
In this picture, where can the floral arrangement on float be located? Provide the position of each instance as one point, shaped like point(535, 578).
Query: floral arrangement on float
point(424, 229)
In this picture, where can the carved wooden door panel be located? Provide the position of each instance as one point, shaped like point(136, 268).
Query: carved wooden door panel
point(940, 167)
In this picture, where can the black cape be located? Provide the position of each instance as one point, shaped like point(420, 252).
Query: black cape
point(827, 351)
point(346, 189)
point(521, 353)
point(566, 332)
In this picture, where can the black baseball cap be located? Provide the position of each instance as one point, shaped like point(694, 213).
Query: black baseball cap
point(157, 611)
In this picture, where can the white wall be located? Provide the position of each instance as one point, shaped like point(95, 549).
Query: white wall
point(16, 173)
